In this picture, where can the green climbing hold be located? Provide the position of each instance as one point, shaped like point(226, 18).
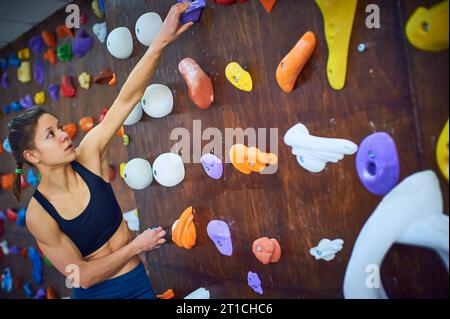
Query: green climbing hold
point(64, 52)
point(39, 176)
point(126, 140)
point(47, 262)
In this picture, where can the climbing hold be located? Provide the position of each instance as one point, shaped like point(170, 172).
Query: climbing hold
point(14, 250)
point(184, 234)
point(48, 38)
point(67, 88)
point(126, 140)
point(39, 71)
point(32, 178)
point(24, 54)
point(50, 292)
point(6, 146)
point(63, 31)
point(14, 61)
point(327, 249)
point(212, 165)
point(267, 250)
point(86, 123)
point(103, 114)
point(50, 56)
point(113, 80)
point(168, 169)
point(137, 173)
point(8, 182)
point(313, 153)
point(147, 27)
point(220, 234)
point(254, 282)
point(100, 31)
point(427, 29)
point(247, 160)
point(16, 106)
point(27, 289)
point(377, 163)
point(71, 130)
point(53, 90)
point(411, 214)
point(3, 216)
point(121, 132)
point(5, 80)
point(7, 280)
point(24, 72)
point(82, 44)
point(103, 77)
point(239, 77)
point(194, 12)
point(268, 4)
point(168, 294)
point(21, 217)
point(64, 52)
point(122, 170)
point(96, 9)
point(200, 293)
point(85, 80)
point(36, 259)
point(40, 294)
point(4, 247)
point(157, 100)
point(3, 64)
point(442, 151)
point(39, 98)
point(292, 65)
point(198, 83)
point(120, 43)
point(6, 109)
point(135, 115)
point(132, 219)
point(36, 44)
point(27, 101)
point(338, 18)
point(83, 18)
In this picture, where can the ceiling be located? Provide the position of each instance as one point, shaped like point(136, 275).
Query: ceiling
point(19, 16)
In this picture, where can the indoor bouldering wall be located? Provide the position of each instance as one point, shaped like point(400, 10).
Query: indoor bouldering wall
point(390, 87)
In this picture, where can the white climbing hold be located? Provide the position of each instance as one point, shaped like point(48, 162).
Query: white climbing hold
point(200, 293)
point(132, 219)
point(327, 249)
point(100, 31)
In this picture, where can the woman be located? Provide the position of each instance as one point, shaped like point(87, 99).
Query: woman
point(74, 215)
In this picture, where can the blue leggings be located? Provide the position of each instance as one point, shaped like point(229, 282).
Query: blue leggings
point(132, 285)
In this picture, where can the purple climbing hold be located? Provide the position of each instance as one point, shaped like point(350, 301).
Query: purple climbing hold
point(194, 12)
point(5, 80)
point(14, 250)
point(254, 282)
point(40, 294)
point(3, 216)
point(82, 44)
point(38, 71)
point(53, 90)
point(212, 165)
point(377, 163)
point(27, 102)
point(219, 232)
point(36, 44)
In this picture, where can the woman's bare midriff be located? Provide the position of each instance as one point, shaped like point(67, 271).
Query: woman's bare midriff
point(120, 238)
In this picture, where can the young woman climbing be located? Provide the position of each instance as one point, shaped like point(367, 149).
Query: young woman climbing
point(73, 214)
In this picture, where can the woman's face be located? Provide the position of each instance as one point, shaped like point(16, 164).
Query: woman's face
point(53, 144)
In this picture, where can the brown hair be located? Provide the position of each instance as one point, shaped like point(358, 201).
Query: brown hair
point(21, 132)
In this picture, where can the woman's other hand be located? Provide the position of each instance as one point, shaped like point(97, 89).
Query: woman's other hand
point(150, 239)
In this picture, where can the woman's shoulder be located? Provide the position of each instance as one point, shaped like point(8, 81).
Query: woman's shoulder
point(36, 217)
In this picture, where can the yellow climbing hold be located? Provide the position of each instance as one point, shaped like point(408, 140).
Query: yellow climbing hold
point(24, 54)
point(338, 17)
point(122, 169)
point(24, 72)
point(427, 29)
point(442, 151)
point(39, 98)
point(239, 77)
point(85, 80)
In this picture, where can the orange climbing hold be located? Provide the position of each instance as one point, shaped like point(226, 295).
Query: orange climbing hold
point(292, 65)
point(267, 250)
point(168, 294)
point(71, 129)
point(63, 31)
point(51, 294)
point(49, 38)
point(268, 4)
point(87, 123)
point(50, 56)
point(247, 160)
point(183, 230)
point(7, 181)
point(113, 81)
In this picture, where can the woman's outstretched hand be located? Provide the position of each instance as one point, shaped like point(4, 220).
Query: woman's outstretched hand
point(171, 28)
point(150, 239)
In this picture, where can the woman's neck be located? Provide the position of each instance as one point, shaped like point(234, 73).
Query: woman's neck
point(58, 178)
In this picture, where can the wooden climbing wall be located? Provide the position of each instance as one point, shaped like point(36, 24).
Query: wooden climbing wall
point(391, 87)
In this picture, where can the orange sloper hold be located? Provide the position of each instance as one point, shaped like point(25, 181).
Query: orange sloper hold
point(183, 230)
point(267, 250)
point(71, 129)
point(247, 160)
point(268, 4)
point(63, 31)
point(168, 294)
point(49, 38)
point(292, 65)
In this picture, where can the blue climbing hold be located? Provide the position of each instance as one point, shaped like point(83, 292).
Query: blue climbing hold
point(35, 257)
point(32, 178)
point(6, 146)
point(27, 289)
point(21, 217)
point(7, 280)
point(14, 61)
point(16, 106)
point(3, 64)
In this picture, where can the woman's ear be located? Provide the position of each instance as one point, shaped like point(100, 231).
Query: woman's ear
point(31, 156)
